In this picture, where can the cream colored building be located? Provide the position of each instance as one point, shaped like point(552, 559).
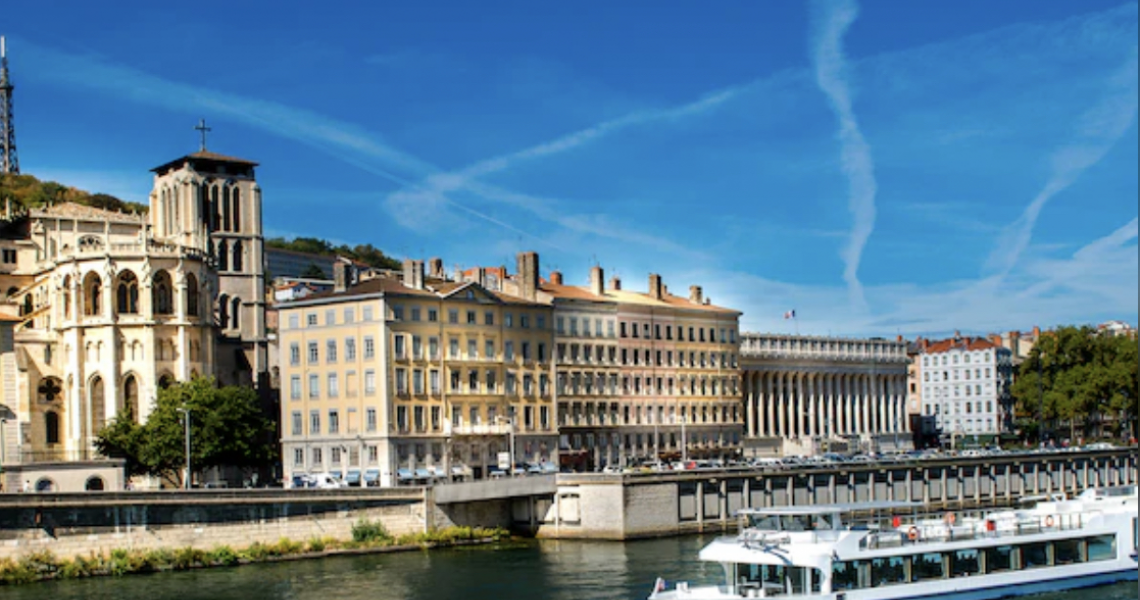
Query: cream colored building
point(641, 376)
point(113, 305)
point(397, 380)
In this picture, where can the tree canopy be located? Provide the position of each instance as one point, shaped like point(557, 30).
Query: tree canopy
point(30, 192)
point(227, 428)
point(1086, 378)
point(365, 253)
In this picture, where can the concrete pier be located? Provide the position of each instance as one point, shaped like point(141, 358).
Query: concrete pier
point(626, 506)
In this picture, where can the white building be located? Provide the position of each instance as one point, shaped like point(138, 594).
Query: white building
point(965, 386)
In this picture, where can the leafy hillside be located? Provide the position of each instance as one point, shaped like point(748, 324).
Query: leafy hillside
point(30, 192)
point(365, 253)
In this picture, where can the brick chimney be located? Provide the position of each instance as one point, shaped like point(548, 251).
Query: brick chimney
point(340, 276)
point(528, 275)
point(556, 277)
point(481, 276)
point(597, 280)
point(1036, 332)
point(996, 339)
point(655, 290)
point(696, 294)
point(414, 274)
point(925, 344)
point(615, 283)
point(435, 268)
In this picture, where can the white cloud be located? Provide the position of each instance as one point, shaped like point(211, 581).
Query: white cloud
point(831, 21)
point(1096, 132)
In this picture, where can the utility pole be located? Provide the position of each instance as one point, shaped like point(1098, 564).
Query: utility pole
point(186, 420)
point(684, 443)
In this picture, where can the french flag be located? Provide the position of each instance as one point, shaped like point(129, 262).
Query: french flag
point(791, 314)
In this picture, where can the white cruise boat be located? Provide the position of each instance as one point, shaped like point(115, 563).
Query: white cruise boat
point(870, 551)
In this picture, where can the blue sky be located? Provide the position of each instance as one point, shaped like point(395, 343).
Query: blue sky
point(883, 168)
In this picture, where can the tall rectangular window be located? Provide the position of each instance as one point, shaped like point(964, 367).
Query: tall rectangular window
point(295, 387)
point(330, 351)
point(314, 422)
point(334, 421)
point(334, 385)
point(314, 386)
point(369, 348)
point(294, 353)
point(370, 419)
point(369, 382)
point(398, 346)
point(297, 423)
point(350, 349)
point(314, 353)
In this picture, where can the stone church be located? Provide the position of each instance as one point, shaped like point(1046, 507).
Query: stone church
point(107, 307)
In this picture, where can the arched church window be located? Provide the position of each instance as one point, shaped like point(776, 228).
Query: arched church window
point(235, 314)
point(127, 294)
point(236, 209)
point(131, 397)
point(163, 293)
point(51, 427)
point(223, 256)
point(226, 208)
point(192, 295)
point(237, 254)
point(223, 311)
point(165, 381)
point(98, 404)
point(214, 208)
point(92, 294)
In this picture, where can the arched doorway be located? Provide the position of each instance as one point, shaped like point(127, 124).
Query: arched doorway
point(45, 485)
point(95, 484)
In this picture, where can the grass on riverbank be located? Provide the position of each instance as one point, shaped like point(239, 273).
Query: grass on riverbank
point(367, 536)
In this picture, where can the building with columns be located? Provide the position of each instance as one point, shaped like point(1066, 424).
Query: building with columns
point(805, 395)
point(112, 306)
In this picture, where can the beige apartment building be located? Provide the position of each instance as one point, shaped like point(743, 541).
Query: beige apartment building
point(641, 376)
point(395, 380)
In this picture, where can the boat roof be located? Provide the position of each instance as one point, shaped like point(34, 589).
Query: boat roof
point(826, 509)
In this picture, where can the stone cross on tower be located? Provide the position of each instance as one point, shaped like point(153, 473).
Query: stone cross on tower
point(202, 128)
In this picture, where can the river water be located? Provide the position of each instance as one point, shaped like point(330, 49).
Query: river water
point(530, 570)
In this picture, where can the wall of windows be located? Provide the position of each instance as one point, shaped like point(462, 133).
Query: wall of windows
point(967, 562)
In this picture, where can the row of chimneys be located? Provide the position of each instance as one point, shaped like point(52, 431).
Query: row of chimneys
point(995, 338)
point(527, 281)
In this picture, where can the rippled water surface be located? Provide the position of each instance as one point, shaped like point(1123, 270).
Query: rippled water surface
point(554, 570)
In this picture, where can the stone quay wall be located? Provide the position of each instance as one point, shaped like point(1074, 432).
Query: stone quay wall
point(78, 524)
point(627, 506)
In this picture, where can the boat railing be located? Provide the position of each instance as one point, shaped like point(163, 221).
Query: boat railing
point(952, 527)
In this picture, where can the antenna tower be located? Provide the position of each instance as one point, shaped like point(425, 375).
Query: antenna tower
point(9, 163)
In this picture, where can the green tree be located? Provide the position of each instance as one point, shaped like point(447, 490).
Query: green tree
point(227, 428)
point(1077, 378)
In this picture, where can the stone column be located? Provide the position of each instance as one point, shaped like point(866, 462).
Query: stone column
point(769, 404)
point(750, 404)
point(813, 401)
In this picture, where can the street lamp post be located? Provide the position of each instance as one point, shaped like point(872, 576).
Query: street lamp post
point(186, 420)
point(684, 443)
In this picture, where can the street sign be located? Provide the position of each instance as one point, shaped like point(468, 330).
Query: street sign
point(505, 461)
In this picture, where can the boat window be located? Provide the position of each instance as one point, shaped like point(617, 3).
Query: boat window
point(764, 522)
point(845, 575)
point(927, 566)
point(793, 523)
point(1034, 555)
point(1067, 552)
point(964, 563)
point(1102, 547)
point(999, 559)
point(888, 570)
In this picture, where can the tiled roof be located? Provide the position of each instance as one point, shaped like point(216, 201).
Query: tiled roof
point(630, 297)
point(967, 343)
point(204, 155)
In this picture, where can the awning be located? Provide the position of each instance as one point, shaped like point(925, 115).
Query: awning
point(423, 474)
point(353, 476)
point(404, 474)
point(372, 475)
